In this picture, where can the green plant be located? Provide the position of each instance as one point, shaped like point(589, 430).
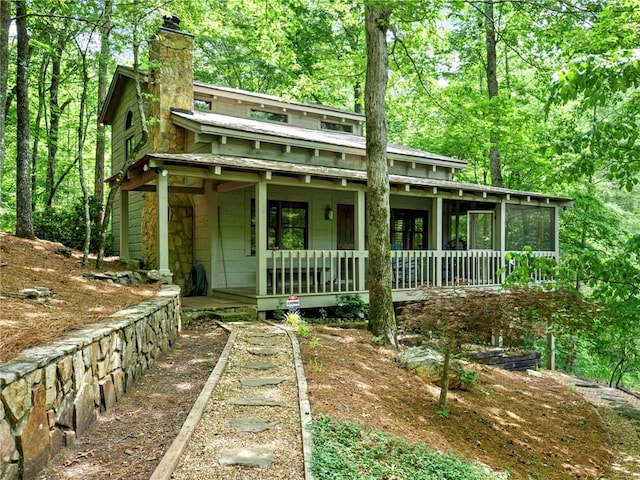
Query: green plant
point(313, 343)
point(351, 306)
point(317, 366)
point(293, 319)
point(345, 450)
point(303, 329)
point(279, 310)
point(444, 413)
point(470, 379)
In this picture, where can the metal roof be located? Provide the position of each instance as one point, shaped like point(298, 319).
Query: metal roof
point(201, 120)
point(252, 164)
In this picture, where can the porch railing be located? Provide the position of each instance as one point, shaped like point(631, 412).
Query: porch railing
point(344, 271)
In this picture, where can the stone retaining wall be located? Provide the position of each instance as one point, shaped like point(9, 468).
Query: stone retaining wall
point(51, 394)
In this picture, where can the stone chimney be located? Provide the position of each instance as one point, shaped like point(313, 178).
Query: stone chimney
point(170, 84)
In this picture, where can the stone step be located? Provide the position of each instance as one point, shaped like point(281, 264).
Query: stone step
point(256, 402)
point(236, 315)
point(267, 342)
point(261, 381)
point(257, 457)
point(264, 351)
point(251, 424)
point(260, 365)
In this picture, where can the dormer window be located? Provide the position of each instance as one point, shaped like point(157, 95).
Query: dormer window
point(199, 104)
point(270, 116)
point(336, 127)
point(129, 122)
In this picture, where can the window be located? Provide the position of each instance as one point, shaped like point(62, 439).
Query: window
point(129, 146)
point(409, 229)
point(336, 127)
point(201, 104)
point(271, 116)
point(287, 225)
point(530, 226)
point(129, 143)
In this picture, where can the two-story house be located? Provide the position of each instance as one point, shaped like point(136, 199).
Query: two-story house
point(270, 196)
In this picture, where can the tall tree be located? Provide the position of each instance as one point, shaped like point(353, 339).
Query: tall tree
point(105, 50)
point(120, 175)
point(5, 16)
point(382, 321)
point(24, 214)
point(492, 89)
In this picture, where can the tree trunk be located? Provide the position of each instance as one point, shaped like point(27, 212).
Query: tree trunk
point(54, 120)
point(105, 49)
point(36, 129)
point(492, 87)
point(81, 134)
point(444, 389)
point(5, 15)
point(382, 322)
point(121, 174)
point(24, 216)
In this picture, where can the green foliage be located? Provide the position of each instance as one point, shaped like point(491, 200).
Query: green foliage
point(345, 450)
point(351, 306)
point(525, 268)
point(455, 317)
point(66, 225)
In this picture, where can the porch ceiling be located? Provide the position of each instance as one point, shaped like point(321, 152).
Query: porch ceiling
point(209, 165)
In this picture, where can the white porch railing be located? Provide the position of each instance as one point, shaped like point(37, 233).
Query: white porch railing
point(345, 271)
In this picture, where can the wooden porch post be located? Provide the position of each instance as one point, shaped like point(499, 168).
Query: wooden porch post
point(436, 237)
point(360, 242)
point(162, 184)
point(124, 225)
point(261, 237)
point(556, 233)
point(214, 234)
point(501, 234)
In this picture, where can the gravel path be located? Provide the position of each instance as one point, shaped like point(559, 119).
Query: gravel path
point(226, 443)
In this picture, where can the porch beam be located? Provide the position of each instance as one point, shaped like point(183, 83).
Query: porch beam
point(173, 189)
point(231, 186)
point(137, 179)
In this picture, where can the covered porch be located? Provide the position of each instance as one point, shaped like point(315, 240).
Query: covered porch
point(264, 230)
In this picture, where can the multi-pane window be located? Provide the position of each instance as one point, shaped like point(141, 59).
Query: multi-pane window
point(270, 116)
point(409, 229)
point(287, 225)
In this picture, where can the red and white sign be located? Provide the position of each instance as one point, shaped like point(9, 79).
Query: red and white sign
point(293, 303)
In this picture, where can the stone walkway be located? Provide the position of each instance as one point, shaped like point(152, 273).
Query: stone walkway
point(248, 423)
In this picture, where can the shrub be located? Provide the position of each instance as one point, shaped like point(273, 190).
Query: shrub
point(351, 306)
point(65, 224)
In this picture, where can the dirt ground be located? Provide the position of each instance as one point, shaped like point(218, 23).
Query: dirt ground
point(75, 300)
point(535, 428)
point(129, 441)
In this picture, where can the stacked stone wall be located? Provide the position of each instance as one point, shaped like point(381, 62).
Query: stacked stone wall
point(51, 394)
